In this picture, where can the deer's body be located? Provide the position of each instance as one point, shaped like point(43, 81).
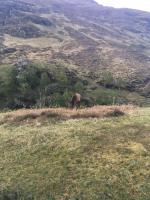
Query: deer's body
point(76, 100)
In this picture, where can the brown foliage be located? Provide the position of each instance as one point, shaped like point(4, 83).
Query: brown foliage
point(63, 113)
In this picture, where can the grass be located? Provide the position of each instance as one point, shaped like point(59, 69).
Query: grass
point(63, 113)
point(83, 158)
point(40, 42)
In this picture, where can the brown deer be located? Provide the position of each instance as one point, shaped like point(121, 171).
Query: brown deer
point(76, 100)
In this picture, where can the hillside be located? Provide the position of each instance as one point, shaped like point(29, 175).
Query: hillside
point(83, 35)
point(44, 157)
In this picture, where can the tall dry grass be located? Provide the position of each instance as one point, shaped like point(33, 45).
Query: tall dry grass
point(64, 113)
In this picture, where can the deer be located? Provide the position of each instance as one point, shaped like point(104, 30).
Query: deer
point(76, 100)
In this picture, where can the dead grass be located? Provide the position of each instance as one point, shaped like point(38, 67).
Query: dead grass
point(64, 113)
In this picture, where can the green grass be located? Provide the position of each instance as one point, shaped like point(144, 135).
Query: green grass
point(76, 159)
point(40, 42)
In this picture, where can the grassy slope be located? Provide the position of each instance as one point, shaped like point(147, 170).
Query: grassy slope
point(91, 158)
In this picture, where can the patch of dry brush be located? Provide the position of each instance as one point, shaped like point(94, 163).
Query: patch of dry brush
point(64, 113)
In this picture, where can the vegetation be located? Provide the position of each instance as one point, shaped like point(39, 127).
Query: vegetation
point(48, 158)
point(52, 85)
point(108, 49)
point(48, 51)
point(37, 86)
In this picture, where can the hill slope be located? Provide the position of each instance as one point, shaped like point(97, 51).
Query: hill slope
point(83, 34)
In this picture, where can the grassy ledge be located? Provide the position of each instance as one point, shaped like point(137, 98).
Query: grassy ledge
point(79, 158)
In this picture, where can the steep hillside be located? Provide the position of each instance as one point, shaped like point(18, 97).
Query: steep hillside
point(89, 37)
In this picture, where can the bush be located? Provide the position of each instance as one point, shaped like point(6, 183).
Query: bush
point(32, 85)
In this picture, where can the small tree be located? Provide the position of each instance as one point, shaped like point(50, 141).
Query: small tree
point(120, 83)
point(9, 86)
point(67, 97)
point(79, 87)
point(61, 78)
point(107, 79)
point(28, 80)
point(43, 89)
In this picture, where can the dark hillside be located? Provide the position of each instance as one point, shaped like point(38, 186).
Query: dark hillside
point(93, 39)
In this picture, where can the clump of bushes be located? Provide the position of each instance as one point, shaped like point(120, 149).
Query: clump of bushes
point(29, 85)
point(33, 85)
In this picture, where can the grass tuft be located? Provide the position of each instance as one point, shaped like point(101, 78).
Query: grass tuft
point(115, 113)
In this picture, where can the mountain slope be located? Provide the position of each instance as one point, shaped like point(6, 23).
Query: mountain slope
point(81, 33)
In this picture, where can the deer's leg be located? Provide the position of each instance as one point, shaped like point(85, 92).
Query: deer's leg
point(78, 105)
